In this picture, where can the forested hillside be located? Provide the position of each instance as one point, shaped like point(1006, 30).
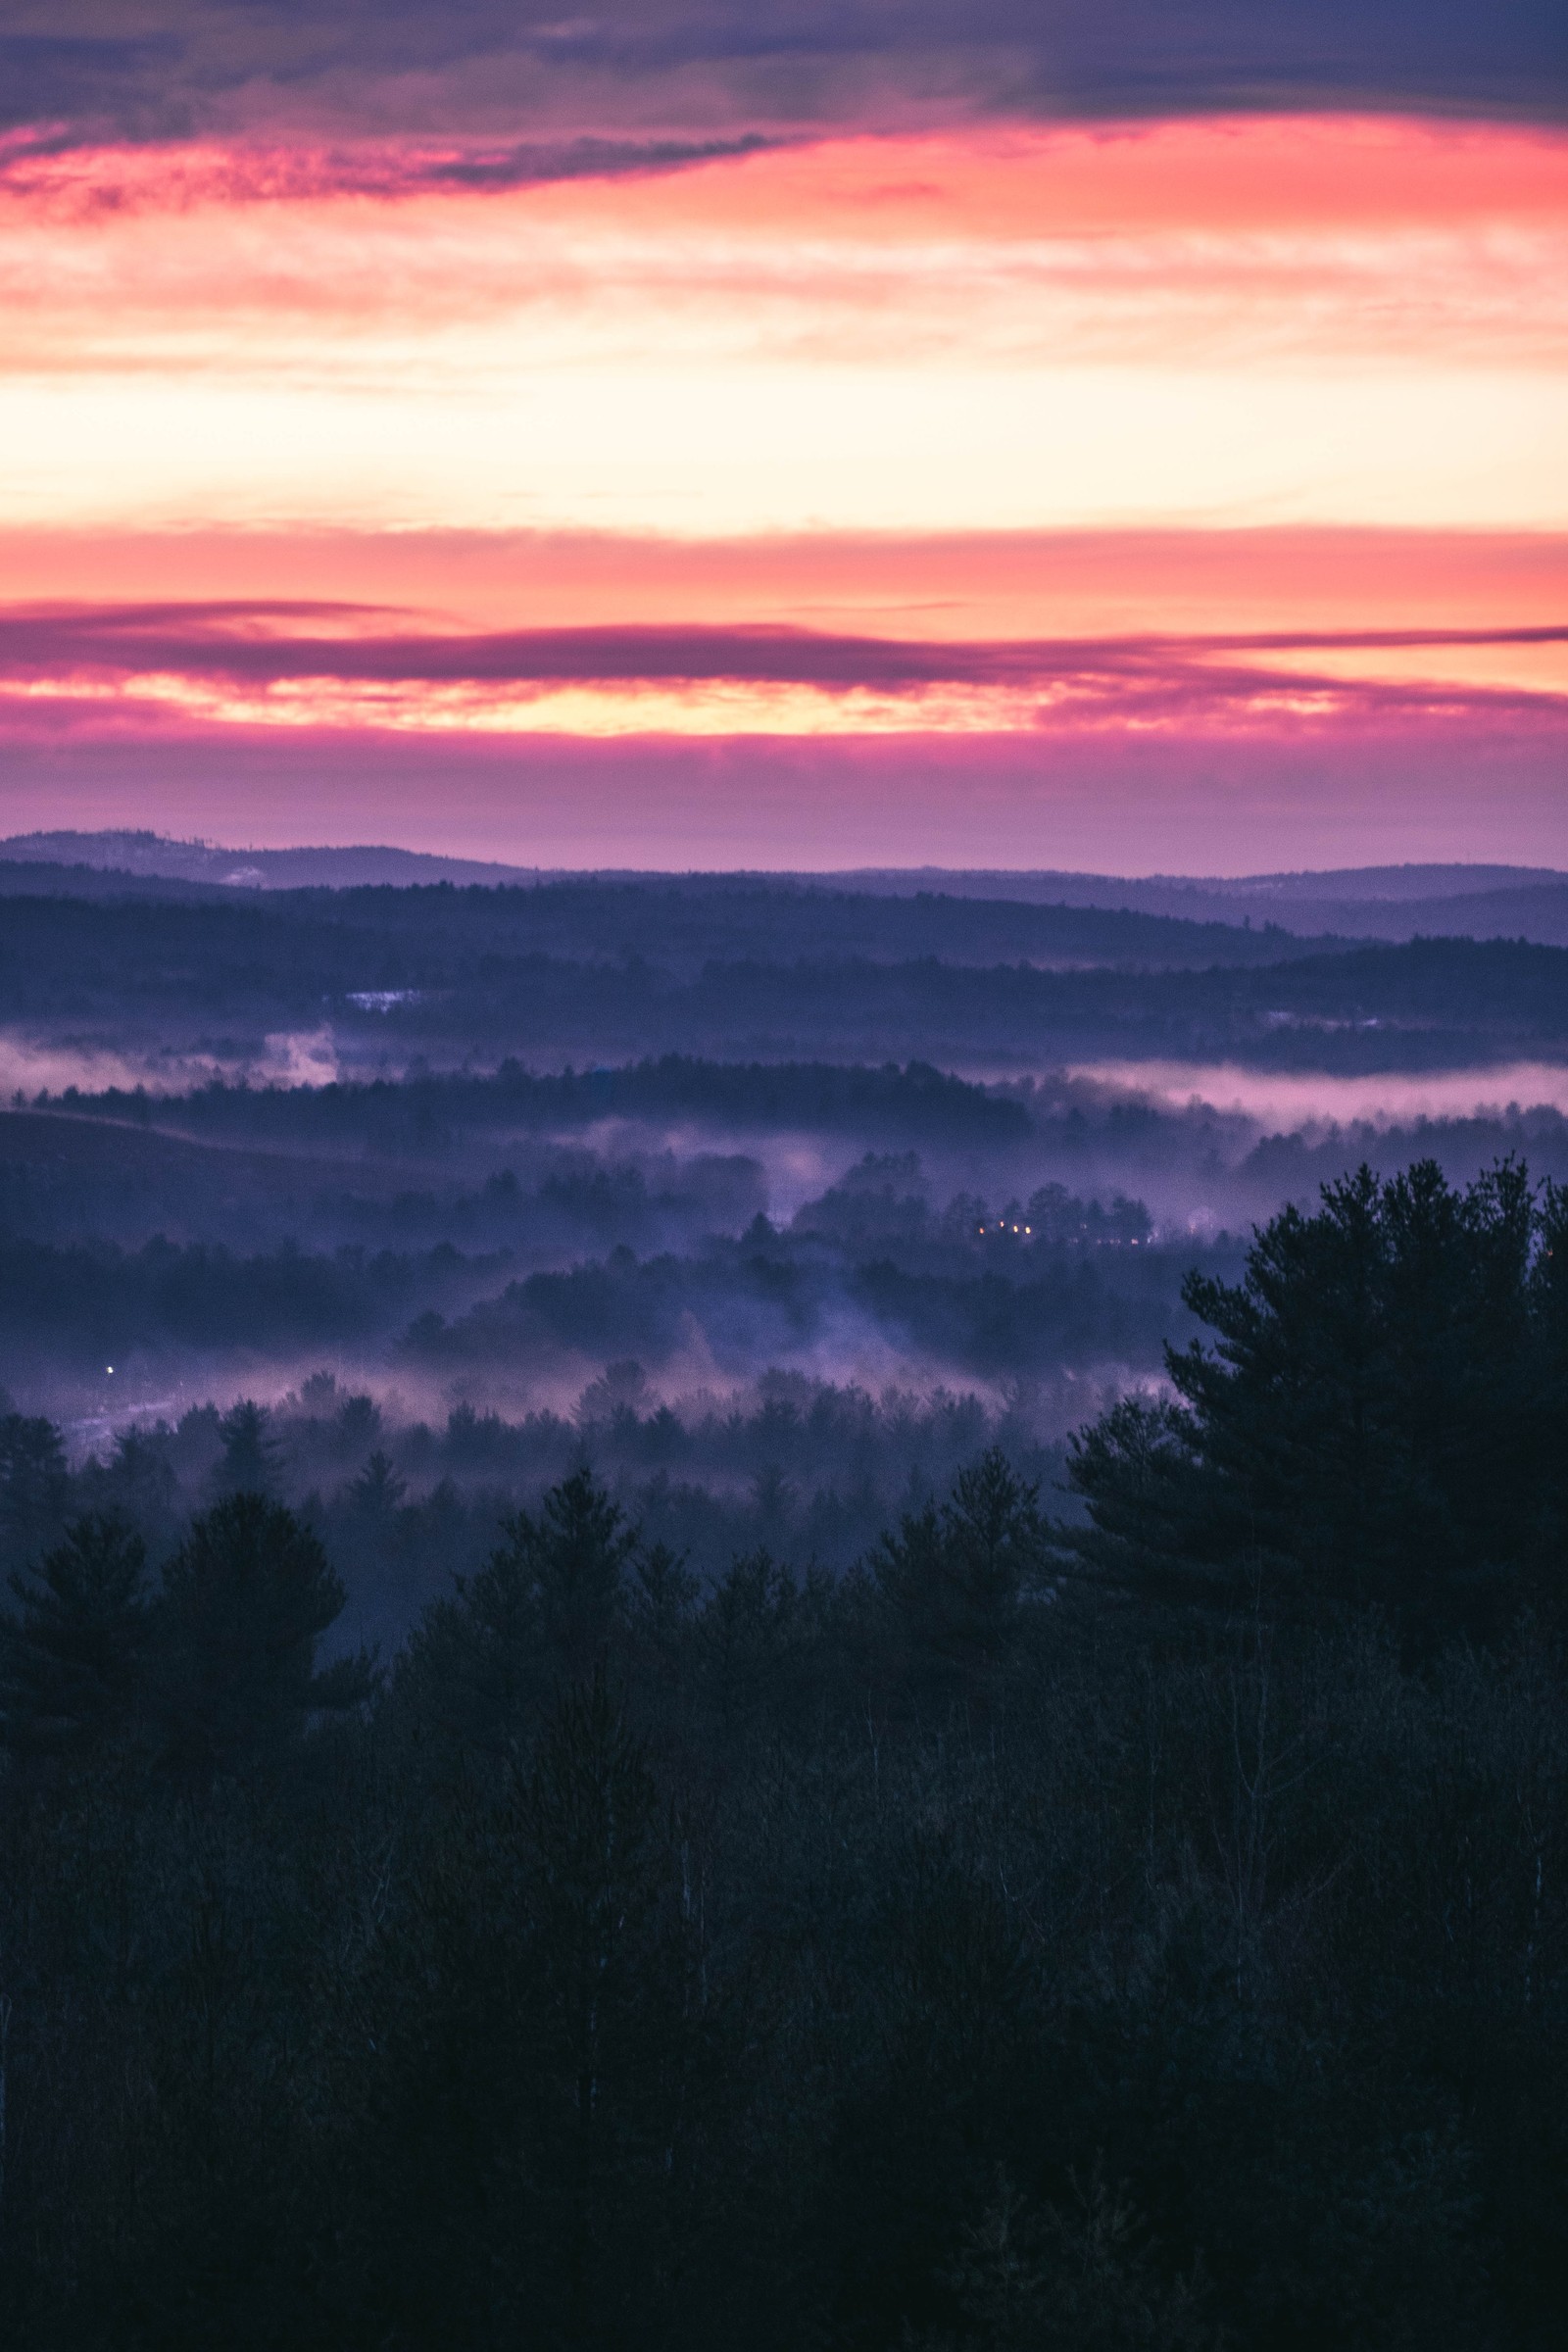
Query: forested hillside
point(1120, 1905)
point(621, 971)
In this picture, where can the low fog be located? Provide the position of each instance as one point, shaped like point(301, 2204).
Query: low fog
point(507, 1202)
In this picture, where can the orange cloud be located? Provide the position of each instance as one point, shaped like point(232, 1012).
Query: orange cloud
point(1211, 173)
point(1304, 320)
point(1199, 441)
point(941, 588)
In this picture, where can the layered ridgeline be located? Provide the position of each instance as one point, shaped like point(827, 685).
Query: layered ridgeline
point(158, 972)
point(480, 1141)
point(1391, 901)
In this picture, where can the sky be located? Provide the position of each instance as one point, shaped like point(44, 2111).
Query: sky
point(1112, 436)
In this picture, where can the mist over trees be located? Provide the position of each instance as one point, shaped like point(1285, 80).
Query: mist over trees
point(926, 1954)
point(865, 1225)
point(791, 1686)
point(1038, 1930)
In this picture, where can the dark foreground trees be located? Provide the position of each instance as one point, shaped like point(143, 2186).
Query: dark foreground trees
point(1189, 1993)
point(73, 1658)
point(245, 1600)
point(1380, 1420)
point(955, 1957)
point(215, 1672)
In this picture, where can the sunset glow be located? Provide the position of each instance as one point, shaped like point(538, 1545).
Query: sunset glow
point(1176, 430)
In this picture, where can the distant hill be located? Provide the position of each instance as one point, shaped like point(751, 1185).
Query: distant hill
point(149, 855)
point(595, 972)
point(1391, 903)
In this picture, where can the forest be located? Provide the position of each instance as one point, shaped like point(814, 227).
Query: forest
point(181, 974)
point(1123, 1906)
point(816, 1615)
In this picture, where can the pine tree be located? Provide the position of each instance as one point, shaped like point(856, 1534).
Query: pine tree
point(138, 1483)
point(576, 1555)
point(955, 1575)
point(1375, 1422)
point(544, 1608)
point(248, 1464)
point(245, 1601)
point(33, 1485)
point(74, 1656)
point(377, 1493)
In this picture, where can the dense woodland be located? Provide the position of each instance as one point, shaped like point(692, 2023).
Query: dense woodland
point(694, 1652)
point(616, 971)
point(1122, 1905)
point(481, 1141)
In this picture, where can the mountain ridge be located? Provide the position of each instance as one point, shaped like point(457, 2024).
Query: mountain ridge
point(1389, 903)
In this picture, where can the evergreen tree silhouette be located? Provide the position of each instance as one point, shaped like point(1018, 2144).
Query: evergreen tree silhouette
point(1378, 1421)
point(33, 1485)
point(245, 1600)
point(250, 1458)
point(74, 1656)
point(377, 1493)
point(953, 1574)
point(544, 1608)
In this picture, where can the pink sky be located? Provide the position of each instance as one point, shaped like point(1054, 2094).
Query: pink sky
point(1192, 494)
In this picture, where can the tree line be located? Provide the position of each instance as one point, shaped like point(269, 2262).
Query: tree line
point(1132, 1924)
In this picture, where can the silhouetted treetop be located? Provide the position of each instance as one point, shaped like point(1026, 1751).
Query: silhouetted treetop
point(250, 1455)
point(246, 1598)
point(1380, 1419)
point(954, 1573)
point(541, 1609)
point(73, 1655)
point(33, 1483)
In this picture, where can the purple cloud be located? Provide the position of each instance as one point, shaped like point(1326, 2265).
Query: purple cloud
point(1164, 675)
point(653, 82)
